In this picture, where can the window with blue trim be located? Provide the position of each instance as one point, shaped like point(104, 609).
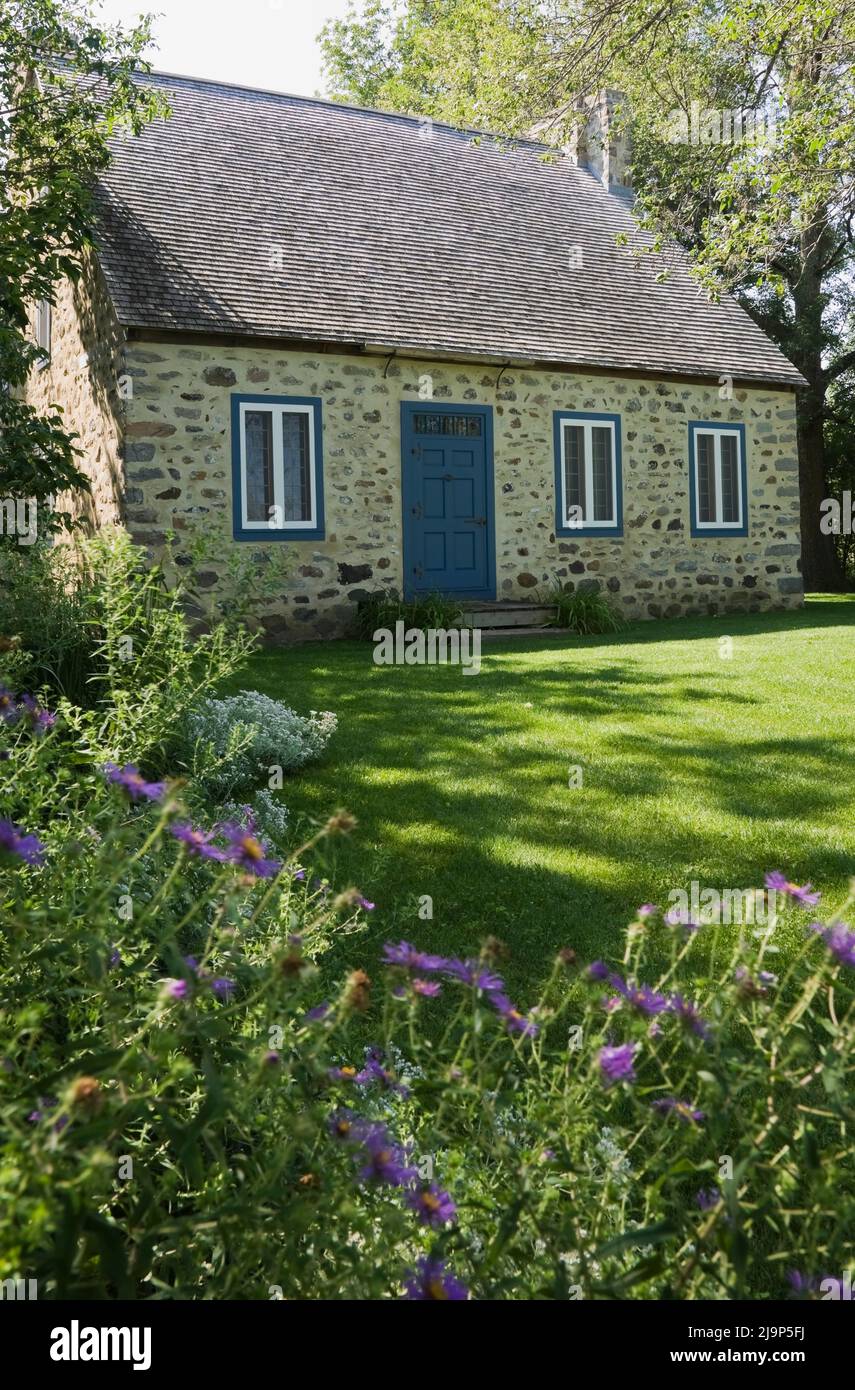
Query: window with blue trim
point(717, 479)
point(588, 480)
point(278, 476)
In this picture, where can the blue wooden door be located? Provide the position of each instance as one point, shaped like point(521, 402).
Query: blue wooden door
point(447, 474)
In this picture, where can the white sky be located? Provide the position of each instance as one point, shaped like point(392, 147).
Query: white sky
point(259, 43)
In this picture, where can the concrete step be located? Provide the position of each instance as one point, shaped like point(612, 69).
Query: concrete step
point(508, 615)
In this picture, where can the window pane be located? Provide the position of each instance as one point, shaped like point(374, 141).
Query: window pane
point(297, 498)
point(43, 325)
point(706, 477)
point(574, 474)
point(468, 426)
point(729, 478)
point(601, 468)
point(258, 426)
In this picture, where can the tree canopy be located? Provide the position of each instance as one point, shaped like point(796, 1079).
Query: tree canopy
point(66, 85)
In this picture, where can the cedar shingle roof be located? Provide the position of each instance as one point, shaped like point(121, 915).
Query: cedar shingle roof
point(254, 213)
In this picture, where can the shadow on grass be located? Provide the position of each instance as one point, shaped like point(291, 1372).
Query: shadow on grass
point(460, 785)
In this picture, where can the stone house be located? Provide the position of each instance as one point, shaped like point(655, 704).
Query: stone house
point(421, 360)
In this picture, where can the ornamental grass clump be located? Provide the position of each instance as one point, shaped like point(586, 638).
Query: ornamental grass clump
point(199, 1098)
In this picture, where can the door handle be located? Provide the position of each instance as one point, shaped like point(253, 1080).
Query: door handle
point(477, 520)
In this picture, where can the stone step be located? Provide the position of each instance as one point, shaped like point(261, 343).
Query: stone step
point(497, 634)
point(508, 615)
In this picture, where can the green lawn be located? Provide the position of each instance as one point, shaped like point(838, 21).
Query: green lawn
point(694, 767)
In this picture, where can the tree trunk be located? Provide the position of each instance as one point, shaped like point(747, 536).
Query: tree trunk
point(821, 569)
point(820, 565)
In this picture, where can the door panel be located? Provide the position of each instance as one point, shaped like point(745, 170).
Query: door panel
point(447, 495)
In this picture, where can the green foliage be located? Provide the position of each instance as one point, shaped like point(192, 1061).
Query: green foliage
point(176, 1124)
point(65, 86)
point(98, 626)
point(385, 609)
point(44, 617)
point(249, 577)
point(586, 611)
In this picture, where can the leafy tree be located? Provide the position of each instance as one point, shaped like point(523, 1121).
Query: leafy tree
point(769, 218)
point(66, 85)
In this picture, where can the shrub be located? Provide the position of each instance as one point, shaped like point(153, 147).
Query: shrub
point(585, 611)
point(99, 627)
point(386, 609)
point(44, 620)
point(188, 1108)
point(230, 744)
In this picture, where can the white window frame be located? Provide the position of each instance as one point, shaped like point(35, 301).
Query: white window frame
point(588, 426)
point(717, 434)
point(276, 521)
point(43, 330)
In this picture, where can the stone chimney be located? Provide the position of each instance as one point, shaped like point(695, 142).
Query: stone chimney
point(601, 148)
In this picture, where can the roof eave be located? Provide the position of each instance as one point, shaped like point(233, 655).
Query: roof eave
point(449, 353)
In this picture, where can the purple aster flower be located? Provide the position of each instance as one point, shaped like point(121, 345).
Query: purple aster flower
point(647, 910)
point(688, 1014)
point(114, 959)
point(374, 1070)
point(248, 852)
point(515, 1022)
point(431, 1281)
point(131, 780)
point(805, 895)
point(598, 970)
point(679, 917)
point(429, 989)
point(10, 710)
point(13, 840)
point(318, 1012)
point(641, 997)
point(750, 988)
point(708, 1198)
point(345, 1126)
point(48, 1103)
point(616, 1063)
point(802, 1285)
point(473, 973)
point(407, 955)
point(347, 1073)
point(272, 1058)
point(386, 1160)
point(197, 842)
point(176, 989)
point(432, 1206)
point(40, 719)
point(839, 940)
point(365, 904)
point(223, 988)
point(683, 1108)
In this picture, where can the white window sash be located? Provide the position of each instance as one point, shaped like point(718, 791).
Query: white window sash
point(588, 427)
point(273, 523)
point(717, 524)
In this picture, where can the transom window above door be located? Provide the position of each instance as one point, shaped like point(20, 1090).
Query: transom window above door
point(277, 468)
point(717, 479)
point(588, 481)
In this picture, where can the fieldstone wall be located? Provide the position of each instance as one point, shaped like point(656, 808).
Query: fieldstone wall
point(85, 378)
point(178, 467)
